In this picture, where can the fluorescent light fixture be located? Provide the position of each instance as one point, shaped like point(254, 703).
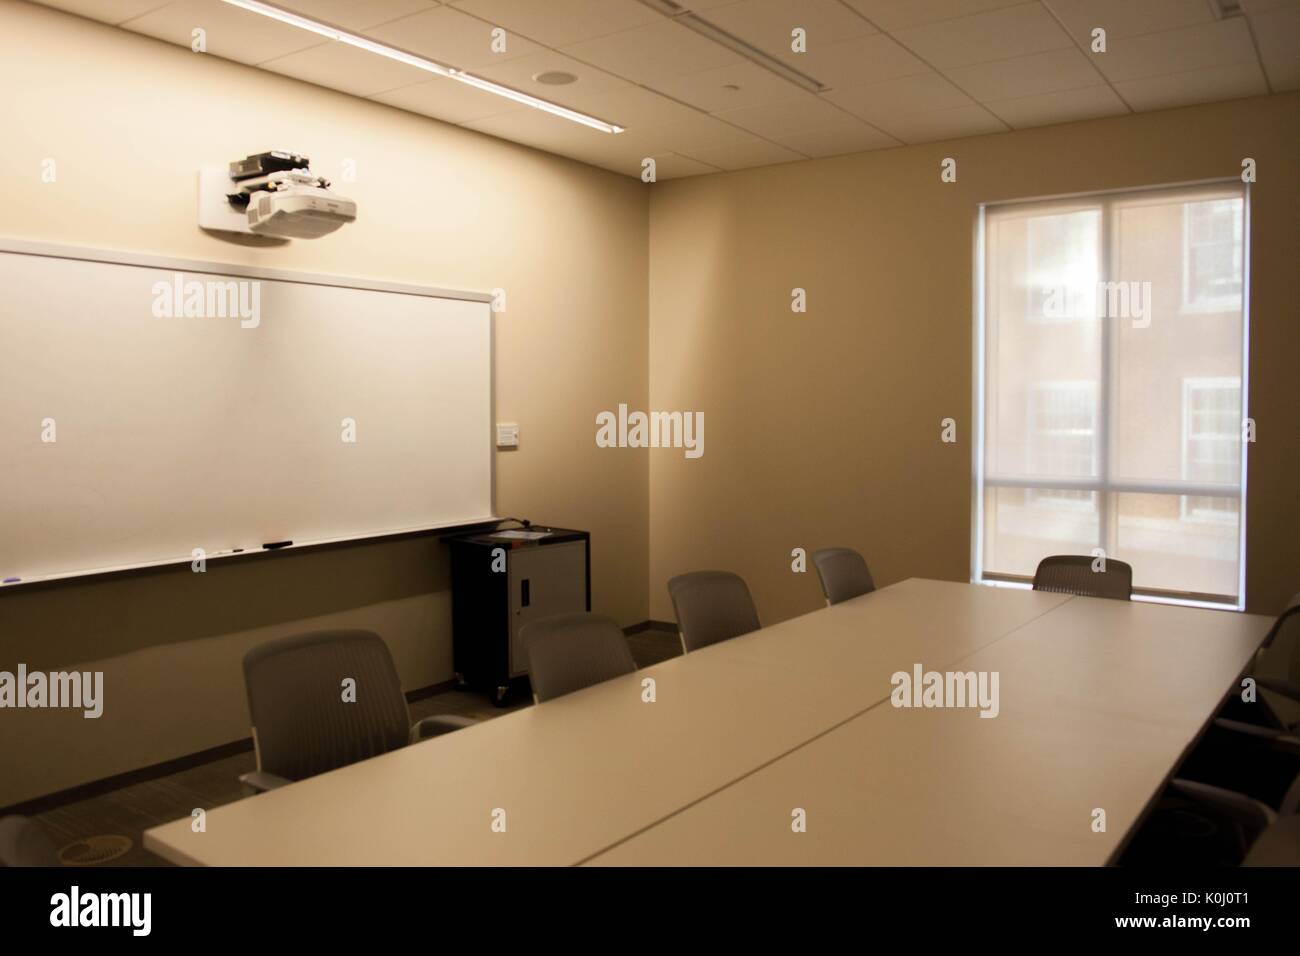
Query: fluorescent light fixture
point(479, 83)
point(410, 59)
point(682, 14)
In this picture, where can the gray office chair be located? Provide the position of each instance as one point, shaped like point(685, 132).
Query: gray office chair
point(711, 606)
point(1279, 843)
point(844, 574)
point(1288, 686)
point(572, 651)
point(301, 724)
point(23, 843)
point(1262, 837)
point(1282, 731)
point(1073, 574)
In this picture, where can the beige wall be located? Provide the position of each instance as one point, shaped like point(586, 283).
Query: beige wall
point(128, 120)
point(823, 429)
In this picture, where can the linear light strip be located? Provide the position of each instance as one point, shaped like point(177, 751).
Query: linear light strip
point(706, 28)
point(479, 83)
point(419, 62)
point(720, 36)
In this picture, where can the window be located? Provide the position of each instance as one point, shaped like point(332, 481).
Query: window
point(1212, 256)
point(1109, 387)
point(1061, 266)
point(1211, 435)
point(1062, 438)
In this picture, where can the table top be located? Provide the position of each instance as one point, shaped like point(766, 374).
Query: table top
point(584, 773)
point(1098, 701)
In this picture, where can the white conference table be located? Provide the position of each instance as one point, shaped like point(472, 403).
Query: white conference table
point(1099, 700)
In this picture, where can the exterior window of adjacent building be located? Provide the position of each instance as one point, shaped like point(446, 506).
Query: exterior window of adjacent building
point(1061, 266)
point(1063, 439)
point(1111, 354)
point(1211, 439)
point(1212, 250)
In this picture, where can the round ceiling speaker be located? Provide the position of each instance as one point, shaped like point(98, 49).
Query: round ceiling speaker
point(555, 78)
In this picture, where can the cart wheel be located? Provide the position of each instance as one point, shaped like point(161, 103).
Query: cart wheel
point(499, 696)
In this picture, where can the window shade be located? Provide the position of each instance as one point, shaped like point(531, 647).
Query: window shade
point(1110, 395)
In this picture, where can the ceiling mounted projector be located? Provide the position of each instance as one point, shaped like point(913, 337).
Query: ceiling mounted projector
point(273, 194)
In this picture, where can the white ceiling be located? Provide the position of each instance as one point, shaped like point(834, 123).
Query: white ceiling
point(892, 71)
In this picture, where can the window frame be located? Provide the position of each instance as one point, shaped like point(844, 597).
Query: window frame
point(1103, 484)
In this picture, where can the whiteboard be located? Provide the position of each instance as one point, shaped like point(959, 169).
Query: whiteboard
point(131, 438)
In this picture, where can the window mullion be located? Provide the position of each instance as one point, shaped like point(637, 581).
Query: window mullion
point(1106, 270)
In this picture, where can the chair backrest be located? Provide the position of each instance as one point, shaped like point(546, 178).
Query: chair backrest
point(844, 574)
point(1073, 574)
point(711, 606)
point(1288, 622)
point(23, 843)
point(571, 651)
point(1289, 617)
point(302, 725)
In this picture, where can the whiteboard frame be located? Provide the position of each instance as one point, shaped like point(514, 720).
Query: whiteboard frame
point(26, 247)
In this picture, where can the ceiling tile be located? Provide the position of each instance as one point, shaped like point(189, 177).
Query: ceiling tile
point(356, 14)
point(1026, 75)
point(231, 33)
point(1063, 106)
point(758, 153)
point(667, 166)
point(451, 37)
point(343, 67)
point(862, 59)
point(711, 90)
point(542, 130)
point(650, 53)
point(452, 102)
point(909, 94)
point(1125, 18)
point(105, 11)
point(767, 24)
point(688, 136)
point(559, 22)
point(994, 35)
point(1197, 86)
point(1200, 47)
point(801, 113)
point(637, 107)
point(1277, 31)
point(897, 14)
point(944, 124)
point(586, 92)
point(841, 139)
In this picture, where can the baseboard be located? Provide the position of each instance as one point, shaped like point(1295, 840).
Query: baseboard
point(421, 693)
point(666, 626)
point(96, 788)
